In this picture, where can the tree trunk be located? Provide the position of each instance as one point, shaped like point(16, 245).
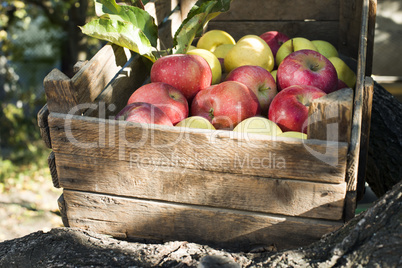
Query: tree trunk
point(371, 239)
point(384, 165)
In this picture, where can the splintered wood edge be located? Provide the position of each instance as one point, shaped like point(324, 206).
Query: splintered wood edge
point(43, 126)
point(359, 99)
point(51, 160)
point(330, 117)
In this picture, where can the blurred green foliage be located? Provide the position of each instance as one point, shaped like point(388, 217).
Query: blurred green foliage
point(32, 33)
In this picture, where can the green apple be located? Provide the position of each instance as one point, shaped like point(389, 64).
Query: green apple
point(195, 122)
point(249, 50)
point(325, 48)
point(273, 72)
point(293, 134)
point(292, 45)
point(213, 62)
point(344, 72)
point(213, 38)
point(258, 125)
point(222, 50)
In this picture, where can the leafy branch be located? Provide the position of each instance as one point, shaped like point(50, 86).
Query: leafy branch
point(132, 27)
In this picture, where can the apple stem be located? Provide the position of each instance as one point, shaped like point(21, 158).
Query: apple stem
point(211, 113)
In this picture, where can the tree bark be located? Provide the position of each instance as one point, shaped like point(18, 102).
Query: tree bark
point(384, 164)
point(372, 239)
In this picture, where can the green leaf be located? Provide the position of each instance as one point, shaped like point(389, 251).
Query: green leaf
point(126, 26)
point(121, 33)
point(200, 14)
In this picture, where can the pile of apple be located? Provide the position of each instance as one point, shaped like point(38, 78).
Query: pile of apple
point(259, 84)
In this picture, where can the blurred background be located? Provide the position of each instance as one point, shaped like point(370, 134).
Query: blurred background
point(39, 35)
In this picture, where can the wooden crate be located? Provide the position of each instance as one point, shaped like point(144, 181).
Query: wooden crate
point(167, 183)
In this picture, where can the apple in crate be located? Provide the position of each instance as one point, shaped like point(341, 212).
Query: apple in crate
point(145, 113)
point(289, 108)
point(166, 97)
point(274, 40)
point(307, 67)
point(187, 73)
point(259, 80)
point(258, 125)
point(196, 122)
point(292, 45)
point(225, 104)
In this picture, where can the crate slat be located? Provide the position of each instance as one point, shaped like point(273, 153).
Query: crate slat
point(312, 160)
point(201, 187)
point(131, 218)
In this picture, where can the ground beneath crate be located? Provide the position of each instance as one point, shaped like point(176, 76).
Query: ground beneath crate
point(28, 209)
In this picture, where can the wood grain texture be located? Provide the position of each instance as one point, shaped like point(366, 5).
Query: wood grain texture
point(241, 10)
point(219, 151)
point(359, 99)
point(323, 30)
point(131, 218)
point(59, 92)
point(115, 96)
point(330, 117)
point(63, 210)
point(94, 76)
point(43, 125)
point(51, 161)
point(201, 187)
point(365, 134)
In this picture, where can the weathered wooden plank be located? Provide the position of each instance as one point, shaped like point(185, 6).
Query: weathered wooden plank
point(43, 125)
point(94, 76)
point(365, 134)
point(51, 161)
point(201, 187)
point(63, 210)
point(282, 10)
point(131, 218)
point(115, 96)
point(359, 101)
point(59, 92)
point(323, 30)
point(221, 151)
point(330, 117)
point(161, 9)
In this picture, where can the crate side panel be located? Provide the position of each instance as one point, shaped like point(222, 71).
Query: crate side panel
point(201, 187)
point(282, 10)
point(130, 218)
point(311, 160)
point(94, 76)
point(313, 30)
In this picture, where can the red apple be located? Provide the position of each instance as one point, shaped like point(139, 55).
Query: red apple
point(289, 108)
point(274, 40)
point(341, 84)
point(259, 80)
point(142, 112)
point(166, 97)
point(225, 104)
point(307, 67)
point(187, 73)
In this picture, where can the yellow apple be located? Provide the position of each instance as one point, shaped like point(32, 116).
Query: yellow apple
point(293, 134)
point(191, 47)
point(213, 38)
point(292, 45)
point(195, 122)
point(249, 50)
point(213, 62)
point(273, 72)
point(221, 50)
point(344, 72)
point(325, 48)
point(258, 125)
